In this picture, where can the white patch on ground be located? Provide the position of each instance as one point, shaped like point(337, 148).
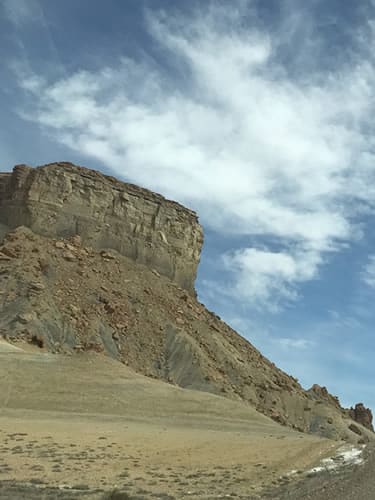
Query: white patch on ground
point(291, 472)
point(6, 347)
point(346, 455)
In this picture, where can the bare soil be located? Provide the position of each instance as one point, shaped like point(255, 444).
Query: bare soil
point(356, 482)
point(84, 425)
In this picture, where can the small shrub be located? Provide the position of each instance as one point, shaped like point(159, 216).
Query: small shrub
point(38, 341)
point(117, 495)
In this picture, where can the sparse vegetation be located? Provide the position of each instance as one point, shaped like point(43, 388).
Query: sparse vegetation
point(38, 341)
point(117, 495)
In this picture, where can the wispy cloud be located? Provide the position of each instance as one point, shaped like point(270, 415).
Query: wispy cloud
point(23, 14)
point(257, 153)
point(20, 12)
point(299, 344)
point(368, 273)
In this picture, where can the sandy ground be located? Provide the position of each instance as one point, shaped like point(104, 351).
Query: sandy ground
point(87, 424)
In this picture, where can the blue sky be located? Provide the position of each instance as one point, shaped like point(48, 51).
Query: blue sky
point(258, 115)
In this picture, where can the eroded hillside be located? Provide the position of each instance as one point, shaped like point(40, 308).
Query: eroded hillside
point(66, 297)
point(92, 263)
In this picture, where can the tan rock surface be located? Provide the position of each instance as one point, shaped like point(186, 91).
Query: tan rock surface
point(63, 200)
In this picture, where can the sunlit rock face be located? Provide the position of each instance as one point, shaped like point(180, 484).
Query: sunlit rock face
point(362, 415)
point(63, 200)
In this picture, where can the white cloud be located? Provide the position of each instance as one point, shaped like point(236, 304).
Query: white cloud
point(292, 343)
point(265, 277)
point(20, 12)
point(229, 133)
point(368, 273)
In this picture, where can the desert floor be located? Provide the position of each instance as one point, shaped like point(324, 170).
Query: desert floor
point(86, 425)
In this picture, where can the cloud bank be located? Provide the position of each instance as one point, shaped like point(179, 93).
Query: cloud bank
point(226, 130)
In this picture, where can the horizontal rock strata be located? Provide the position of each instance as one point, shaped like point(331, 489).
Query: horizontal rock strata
point(63, 200)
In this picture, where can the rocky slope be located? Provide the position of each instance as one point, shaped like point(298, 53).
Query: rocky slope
point(66, 295)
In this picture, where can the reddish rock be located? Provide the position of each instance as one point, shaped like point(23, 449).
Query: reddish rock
point(76, 240)
point(69, 256)
point(362, 415)
point(322, 393)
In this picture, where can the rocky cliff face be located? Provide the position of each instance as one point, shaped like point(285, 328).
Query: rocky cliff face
point(63, 200)
point(362, 415)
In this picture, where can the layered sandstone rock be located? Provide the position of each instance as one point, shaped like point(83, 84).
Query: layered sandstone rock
point(63, 200)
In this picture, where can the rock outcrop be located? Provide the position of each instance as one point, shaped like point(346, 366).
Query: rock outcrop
point(362, 415)
point(63, 200)
point(95, 264)
point(65, 297)
point(321, 393)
